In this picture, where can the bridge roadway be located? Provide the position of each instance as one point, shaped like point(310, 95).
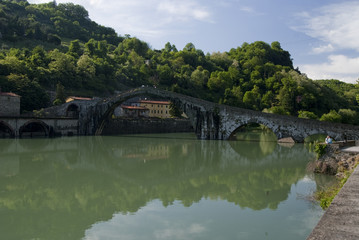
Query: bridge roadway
point(341, 219)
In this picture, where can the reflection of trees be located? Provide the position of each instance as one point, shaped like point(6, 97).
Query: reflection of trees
point(61, 193)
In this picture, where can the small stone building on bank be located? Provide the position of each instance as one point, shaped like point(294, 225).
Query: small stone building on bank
point(9, 104)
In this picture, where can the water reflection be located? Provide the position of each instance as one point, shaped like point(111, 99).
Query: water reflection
point(58, 190)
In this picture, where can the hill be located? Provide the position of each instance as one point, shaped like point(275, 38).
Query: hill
point(52, 46)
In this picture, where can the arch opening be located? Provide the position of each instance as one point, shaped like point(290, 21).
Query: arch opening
point(72, 111)
point(143, 114)
point(6, 131)
point(253, 134)
point(34, 130)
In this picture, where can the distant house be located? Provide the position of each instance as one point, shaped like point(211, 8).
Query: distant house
point(9, 104)
point(160, 109)
point(134, 111)
point(70, 99)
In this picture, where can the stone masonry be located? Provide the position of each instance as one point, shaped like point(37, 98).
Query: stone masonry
point(214, 121)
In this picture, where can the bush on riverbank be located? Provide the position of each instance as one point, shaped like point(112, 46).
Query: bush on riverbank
point(320, 149)
point(326, 196)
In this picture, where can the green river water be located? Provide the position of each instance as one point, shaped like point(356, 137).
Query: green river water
point(160, 186)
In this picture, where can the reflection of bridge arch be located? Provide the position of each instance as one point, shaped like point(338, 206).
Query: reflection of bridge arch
point(34, 128)
point(6, 130)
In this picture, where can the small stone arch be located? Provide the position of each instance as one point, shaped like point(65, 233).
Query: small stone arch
point(34, 128)
point(73, 111)
point(6, 130)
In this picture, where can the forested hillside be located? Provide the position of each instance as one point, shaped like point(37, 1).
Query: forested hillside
point(49, 46)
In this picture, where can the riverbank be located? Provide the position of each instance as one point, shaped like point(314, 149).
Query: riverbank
point(341, 219)
point(341, 200)
point(335, 161)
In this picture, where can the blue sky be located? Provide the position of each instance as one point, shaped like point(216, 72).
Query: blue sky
point(321, 36)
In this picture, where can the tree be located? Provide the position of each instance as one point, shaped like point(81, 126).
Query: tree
point(199, 77)
point(349, 116)
point(219, 81)
point(39, 57)
point(60, 97)
point(62, 67)
point(54, 38)
point(252, 98)
point(332, 116)
point(189, 47)
point(132, 44)
point(277, 110)
point(165, 74)
point(307, 115)
point(32, 95)
point(175, 110)
point(75, 49)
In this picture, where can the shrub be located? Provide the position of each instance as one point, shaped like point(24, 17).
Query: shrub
point(320, 149)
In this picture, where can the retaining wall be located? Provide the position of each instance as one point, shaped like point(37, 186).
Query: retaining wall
point(146, 125)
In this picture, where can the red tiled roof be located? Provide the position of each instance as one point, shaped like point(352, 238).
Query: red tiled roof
point(133, 107)
point(155, 102)
point(9, 94)
point(80, 98)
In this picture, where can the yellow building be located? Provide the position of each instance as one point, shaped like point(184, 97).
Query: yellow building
point(160, 109)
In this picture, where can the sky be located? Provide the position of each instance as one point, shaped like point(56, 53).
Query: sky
point(322, 36)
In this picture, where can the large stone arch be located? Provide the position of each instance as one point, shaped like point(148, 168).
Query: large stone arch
point(109, 112)
point(244, 123)
point(114, 102)
point(6, 130)
point(215, 121)
point(34, 128)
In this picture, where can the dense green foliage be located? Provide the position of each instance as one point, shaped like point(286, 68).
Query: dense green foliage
point(320, 149)
point(88, 59)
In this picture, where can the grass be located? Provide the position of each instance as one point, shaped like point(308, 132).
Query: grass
point(326, 196)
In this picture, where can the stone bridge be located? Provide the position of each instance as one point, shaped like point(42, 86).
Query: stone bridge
point(214, 121)
point(14, 127)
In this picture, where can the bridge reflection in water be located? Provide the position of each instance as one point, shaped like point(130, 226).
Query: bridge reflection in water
point(58, 188)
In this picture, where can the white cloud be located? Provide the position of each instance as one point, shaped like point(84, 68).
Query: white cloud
point(184, 10)
point(180, 232)
point(335, 24)
point(150, 20)
point(323, 49)
point(338, 67)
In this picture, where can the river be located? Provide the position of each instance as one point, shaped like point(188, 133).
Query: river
point(159, 186)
